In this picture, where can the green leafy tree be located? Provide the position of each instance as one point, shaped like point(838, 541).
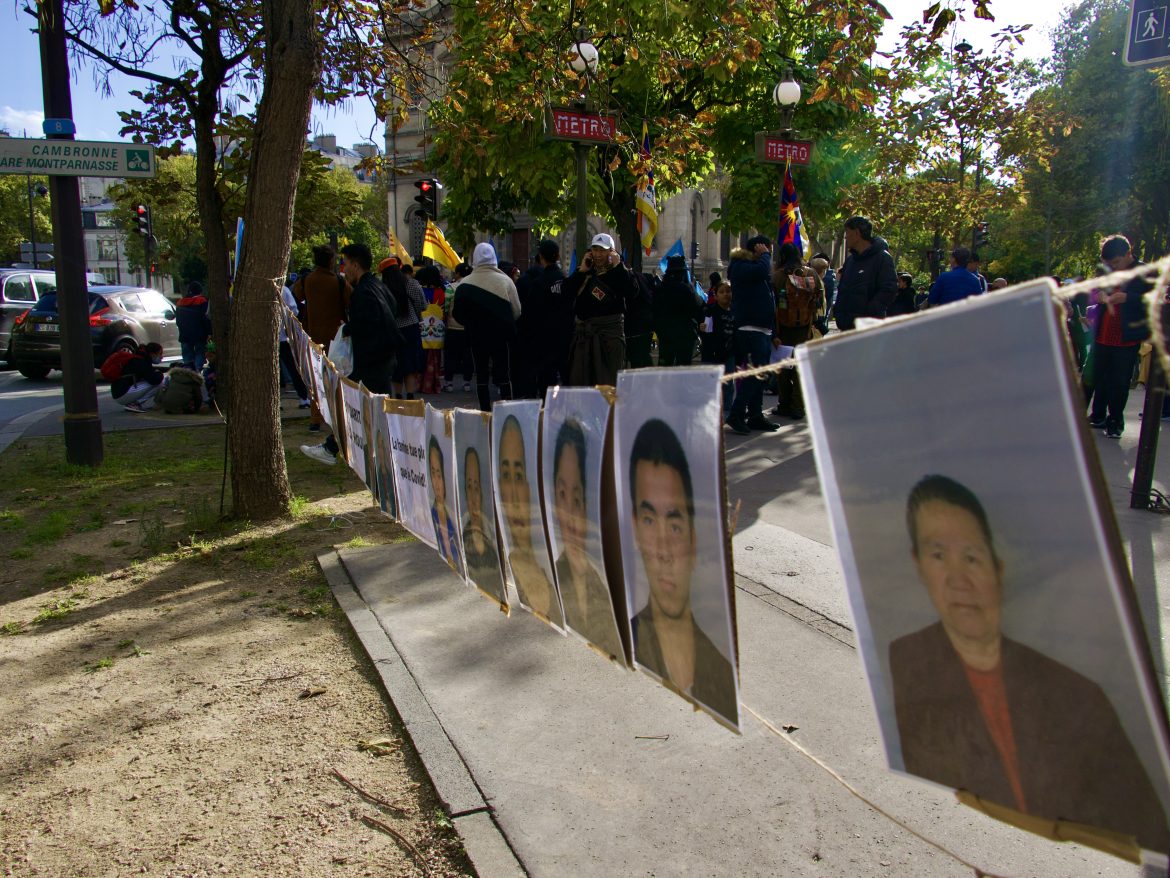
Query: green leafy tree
point(14, 214)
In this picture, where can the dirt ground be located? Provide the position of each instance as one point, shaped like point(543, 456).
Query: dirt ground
point(183, 697)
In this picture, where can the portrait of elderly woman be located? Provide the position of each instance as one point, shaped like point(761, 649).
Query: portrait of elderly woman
point(523, 526)
point(479, 531)
point(584, 592)
point(980, 712)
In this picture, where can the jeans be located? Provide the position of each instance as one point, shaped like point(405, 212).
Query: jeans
point(1112, 372)
point(142, 393)
point(194, 354)
point(289, 361)
point(751, 349)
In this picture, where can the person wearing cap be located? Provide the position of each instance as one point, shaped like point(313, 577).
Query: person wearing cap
point(600, 290)
point(754, 309)
point(487, 305)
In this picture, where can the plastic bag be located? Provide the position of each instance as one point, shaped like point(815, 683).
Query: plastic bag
point(341, 353)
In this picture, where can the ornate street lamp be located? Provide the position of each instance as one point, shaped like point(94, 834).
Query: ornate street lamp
point(786, 95)
point(583, 59)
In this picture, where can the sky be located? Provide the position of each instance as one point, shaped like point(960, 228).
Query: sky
point(96, 115)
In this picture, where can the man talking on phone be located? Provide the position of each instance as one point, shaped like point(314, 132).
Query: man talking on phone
point(600, 290)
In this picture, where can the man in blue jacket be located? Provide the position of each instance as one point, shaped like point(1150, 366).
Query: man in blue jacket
point(956, 284)
point(754, 309)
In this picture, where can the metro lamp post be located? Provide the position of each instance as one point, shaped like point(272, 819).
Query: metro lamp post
point(583, 60)
point(786, 96)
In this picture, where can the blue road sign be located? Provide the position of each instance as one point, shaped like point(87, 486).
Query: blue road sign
point(58, 126)
point(1148, 44)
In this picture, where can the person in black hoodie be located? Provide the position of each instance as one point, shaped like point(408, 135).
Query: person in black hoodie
point(675, 310)
point(754, 308)
point(194, 324)
point(544, 331)
point(639, 323)
point(373, 330)
point(868, 281)
point(139, 383)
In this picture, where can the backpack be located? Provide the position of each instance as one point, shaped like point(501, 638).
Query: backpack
point(797, 305)
point(115, 362)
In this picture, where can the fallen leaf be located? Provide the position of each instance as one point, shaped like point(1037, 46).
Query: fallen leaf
point(126, 521)
point(312, 692)
point(380, 746)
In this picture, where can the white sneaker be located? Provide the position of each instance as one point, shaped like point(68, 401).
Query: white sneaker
point(447, 388)
point(467, 387)
point(319, 453)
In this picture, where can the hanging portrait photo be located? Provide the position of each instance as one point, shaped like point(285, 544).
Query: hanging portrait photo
point(575, 423)
point(515, 439)
point(673, 517)
point(440, 451)
point(355, 428)
point(371, 414)
point(326, 382)
point(406, 421)
point(476, 508)
point(383, 458)
point(993, 607)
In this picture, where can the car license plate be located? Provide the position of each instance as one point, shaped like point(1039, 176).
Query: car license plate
point(45, 327)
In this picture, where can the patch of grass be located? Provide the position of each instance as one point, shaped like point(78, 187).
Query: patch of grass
point(136, 651)
point(201, 515)
point(244, 595)
point(50, 529)
point(298, 507)
point(119, 544)
point(10, 628)
point(154, 533)
point(267, 554)
point(74, 572)
point(21, 554)
point(358, 542)
point(10, 520)
point(125, 644)
point(100, 665)
point(55, 610)
point(96, 520)
point(319, 599)
point(442, 819)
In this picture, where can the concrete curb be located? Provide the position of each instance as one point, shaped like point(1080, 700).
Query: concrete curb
point(15, 428)
point(486, 846)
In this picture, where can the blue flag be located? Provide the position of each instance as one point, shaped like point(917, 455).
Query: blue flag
point(573, 262)
point(676, 249)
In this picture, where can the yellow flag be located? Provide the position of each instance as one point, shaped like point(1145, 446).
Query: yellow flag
point(435, 247)
point(398, 250)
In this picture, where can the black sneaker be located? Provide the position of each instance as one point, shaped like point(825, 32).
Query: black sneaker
point(1097, 425)
point(737, 425)
point(761, 423)
point(1112, 432)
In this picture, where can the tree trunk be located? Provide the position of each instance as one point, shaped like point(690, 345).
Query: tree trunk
point(623, 206)
point(292, 68)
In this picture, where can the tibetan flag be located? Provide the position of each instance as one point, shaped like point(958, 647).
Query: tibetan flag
point(790, 219)
point(644, 198)
point(436, 247)
point(397, 249)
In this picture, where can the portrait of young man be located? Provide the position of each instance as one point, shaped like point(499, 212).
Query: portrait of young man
point(477, 512)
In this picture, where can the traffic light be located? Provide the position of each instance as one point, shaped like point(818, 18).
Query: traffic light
point(428, 196)
point(142, 216)
point(980, 237)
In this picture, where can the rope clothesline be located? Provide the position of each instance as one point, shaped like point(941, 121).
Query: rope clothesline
point(1161, 285)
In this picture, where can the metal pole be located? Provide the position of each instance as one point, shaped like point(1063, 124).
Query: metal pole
point(1147, 450)
point(83, 426)
point(582, 202)
point(32, 229)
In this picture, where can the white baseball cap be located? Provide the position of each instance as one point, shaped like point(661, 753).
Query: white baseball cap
point(602, 240)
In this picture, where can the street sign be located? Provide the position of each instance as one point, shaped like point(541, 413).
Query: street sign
point(1148, 42)
point(58, 126)
point(75, 158)
point(563, 123)
point(44, 252)
point(772, 149)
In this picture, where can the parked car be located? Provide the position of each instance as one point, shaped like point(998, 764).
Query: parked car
point(19, 290)
point(120, 317)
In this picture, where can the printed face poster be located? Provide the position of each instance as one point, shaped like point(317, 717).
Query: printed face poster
point(575, 424)
point(440, 489)
point(408, 439)
point(990, 594)
point(325, 376)
point(673, 516)
point(313, 374)
point(383, 457)
point(477, 509)
point(371, 413)
point(355, 428)
point(515, 439)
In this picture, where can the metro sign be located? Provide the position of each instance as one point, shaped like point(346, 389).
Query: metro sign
point(566, 124)
point(773, 149)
